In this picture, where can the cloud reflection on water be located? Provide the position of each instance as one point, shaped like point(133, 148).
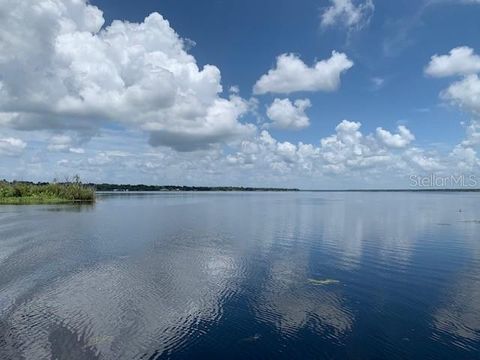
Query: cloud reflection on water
point(105, 283)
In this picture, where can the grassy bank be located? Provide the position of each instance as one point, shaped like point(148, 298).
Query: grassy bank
point(12, 193)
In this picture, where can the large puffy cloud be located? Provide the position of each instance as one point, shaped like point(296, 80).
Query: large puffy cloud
point(63, 71)
point(400, 140)
point(219, 123)
point(348, 149)
point(292, 74)
point(460, 61)
point(348, 14)
point(287, 115)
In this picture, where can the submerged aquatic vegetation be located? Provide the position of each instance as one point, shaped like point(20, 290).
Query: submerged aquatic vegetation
point(45, 193)
point(253, 338)
point(97, 340)
point(323, 282)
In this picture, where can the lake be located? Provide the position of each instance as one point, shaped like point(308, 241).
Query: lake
point(301, 275)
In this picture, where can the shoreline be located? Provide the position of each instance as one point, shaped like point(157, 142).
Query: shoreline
point(40, 201)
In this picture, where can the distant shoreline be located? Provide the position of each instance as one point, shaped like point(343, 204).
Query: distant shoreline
point(293, 190)
point(166, 188)
point(398, 190)
point(171, 188)
point(125, 188)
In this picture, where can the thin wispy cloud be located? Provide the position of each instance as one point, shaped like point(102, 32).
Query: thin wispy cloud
point(349, 14)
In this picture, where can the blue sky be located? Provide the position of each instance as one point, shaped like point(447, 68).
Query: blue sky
point(243, 39)
point(78, 100)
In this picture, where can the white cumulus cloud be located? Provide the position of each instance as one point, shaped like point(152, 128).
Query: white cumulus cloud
point(460, 61)
point(465, 93)
point(463, 62)
point(400, 140)
point(349, 149)
point(64, 71)
point(287, 115)
point(292, 74)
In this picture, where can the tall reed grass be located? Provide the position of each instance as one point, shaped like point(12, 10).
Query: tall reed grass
point(54, 192)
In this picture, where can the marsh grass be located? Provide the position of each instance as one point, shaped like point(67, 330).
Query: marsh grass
point(45, 193)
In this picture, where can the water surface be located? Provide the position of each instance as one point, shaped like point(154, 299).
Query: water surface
point(243, 276)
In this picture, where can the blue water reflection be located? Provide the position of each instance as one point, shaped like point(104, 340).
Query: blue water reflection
point(243, 276)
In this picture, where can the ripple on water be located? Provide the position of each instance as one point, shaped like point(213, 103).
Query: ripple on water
point(126, 307)
point(229, 275)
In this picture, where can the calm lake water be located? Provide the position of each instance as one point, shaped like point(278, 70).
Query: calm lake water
point(243, 276)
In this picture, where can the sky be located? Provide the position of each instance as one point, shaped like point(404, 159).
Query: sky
point(314, 94)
